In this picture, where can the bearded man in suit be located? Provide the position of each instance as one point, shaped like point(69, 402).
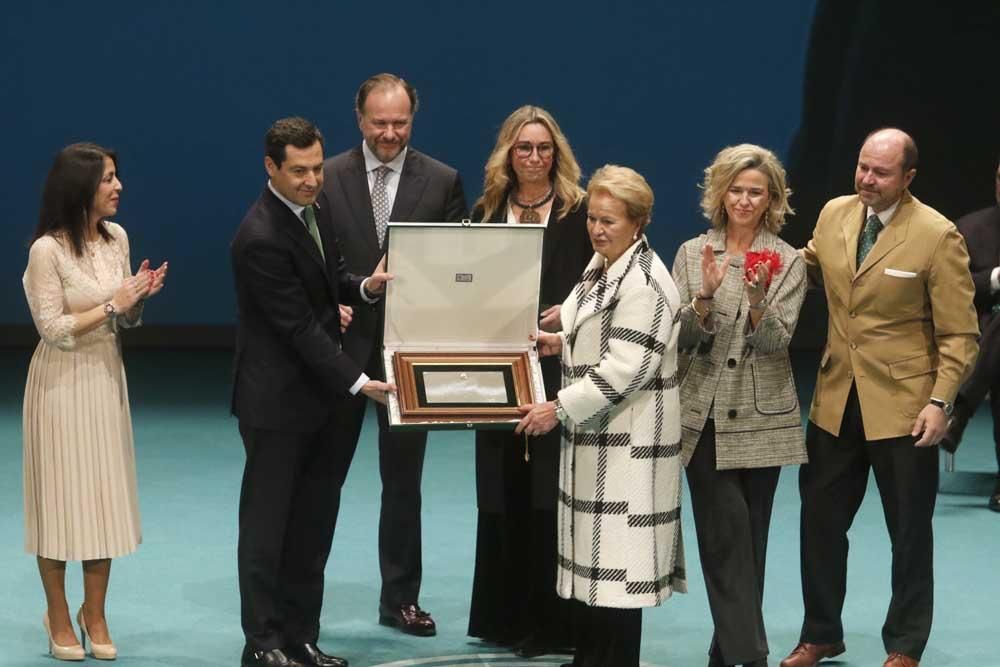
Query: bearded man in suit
point(289, 375)
point(981, 230)
point(902, 337)
point(384, 179)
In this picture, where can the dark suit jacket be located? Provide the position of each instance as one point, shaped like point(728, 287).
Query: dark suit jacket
point(429, 191)
point(981, 230)
point(566, 250)
point(289, 364)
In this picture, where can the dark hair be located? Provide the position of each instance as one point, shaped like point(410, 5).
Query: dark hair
point(69, 192)
point(910, 154)
point(385, 79)
point(296, 131)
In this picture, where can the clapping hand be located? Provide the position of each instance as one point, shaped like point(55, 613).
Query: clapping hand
point(153, 278)
point(712, 273)
point(757, 288)
point(132, 290)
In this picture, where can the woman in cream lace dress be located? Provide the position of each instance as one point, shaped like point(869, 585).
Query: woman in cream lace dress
point(80, 498)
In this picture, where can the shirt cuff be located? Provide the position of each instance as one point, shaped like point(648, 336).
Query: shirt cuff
point(364, 294)
point(995, 279)
point(356, 387)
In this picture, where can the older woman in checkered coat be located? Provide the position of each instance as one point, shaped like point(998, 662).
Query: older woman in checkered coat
point(619, 528)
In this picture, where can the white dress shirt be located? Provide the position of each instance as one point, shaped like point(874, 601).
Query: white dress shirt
point(885, 216)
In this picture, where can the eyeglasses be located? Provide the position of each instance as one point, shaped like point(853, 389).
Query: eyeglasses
point(524, 149)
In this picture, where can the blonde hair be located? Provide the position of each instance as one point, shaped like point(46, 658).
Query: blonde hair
point(627, 186)
point(500, 177)
point(728, 164)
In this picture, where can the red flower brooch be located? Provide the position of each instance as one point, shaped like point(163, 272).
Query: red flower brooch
point(769, 258)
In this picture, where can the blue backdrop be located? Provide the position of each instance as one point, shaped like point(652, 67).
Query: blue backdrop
point(185, 91)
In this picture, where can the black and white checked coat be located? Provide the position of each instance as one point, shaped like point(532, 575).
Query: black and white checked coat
point(619, 529)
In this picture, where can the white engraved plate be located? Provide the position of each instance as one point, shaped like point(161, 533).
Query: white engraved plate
point(464, 387)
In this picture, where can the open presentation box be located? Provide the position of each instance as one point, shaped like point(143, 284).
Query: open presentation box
point(458, 316)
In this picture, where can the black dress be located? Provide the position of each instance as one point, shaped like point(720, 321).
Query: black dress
point(514, 599)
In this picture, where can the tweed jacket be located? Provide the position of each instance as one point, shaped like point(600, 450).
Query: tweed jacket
point(740, 377)
point(618, 517)
point(902, 327)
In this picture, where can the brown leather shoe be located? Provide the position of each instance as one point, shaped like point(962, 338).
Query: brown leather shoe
point(409, 618)
point(807, 655)
point(900, 660)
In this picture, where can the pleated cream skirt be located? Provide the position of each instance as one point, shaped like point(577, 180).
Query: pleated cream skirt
point(80, 499)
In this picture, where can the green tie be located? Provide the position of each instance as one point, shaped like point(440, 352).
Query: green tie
point(868, 237)
point(310, 217)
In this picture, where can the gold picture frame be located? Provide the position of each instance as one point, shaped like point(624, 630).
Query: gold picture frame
point(462, 387)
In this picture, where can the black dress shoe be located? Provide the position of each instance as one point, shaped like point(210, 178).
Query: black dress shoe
point(994, 503)
point(408, 618)
point(532, 648)
point(309, 654)
point(273, 658)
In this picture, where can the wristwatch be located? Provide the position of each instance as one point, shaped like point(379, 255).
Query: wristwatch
point(560, 411)
point(110, 310)
point(944, 405)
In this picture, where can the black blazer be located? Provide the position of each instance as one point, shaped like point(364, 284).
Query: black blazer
point(566, 251)
point(289, 364)
point(981, 230)
point(429, 191)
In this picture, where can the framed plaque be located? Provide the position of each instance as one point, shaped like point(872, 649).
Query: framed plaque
point(458, 319)
point(461, 387)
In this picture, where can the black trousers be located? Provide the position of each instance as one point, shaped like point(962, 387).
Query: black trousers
point(607, 636)
point(732, 515)
point(514, 599)
point(288, 512)
point(401, 465)
point(832, 486)
point(985, 378)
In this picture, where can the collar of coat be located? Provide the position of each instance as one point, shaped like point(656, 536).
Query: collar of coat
point(591, 299)
point(892, 235)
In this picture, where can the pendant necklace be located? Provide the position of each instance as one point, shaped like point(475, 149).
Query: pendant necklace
point(528, 213)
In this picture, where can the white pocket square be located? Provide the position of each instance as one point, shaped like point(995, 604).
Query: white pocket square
point(896, 273)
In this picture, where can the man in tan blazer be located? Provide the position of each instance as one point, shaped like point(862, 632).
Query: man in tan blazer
point(902, 337)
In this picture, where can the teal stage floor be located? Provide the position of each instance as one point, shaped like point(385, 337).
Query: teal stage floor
point(175, 602)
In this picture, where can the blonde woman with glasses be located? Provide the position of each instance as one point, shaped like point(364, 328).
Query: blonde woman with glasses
point(531, 178)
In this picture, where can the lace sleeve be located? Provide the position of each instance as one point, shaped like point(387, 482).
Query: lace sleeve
point(44, 291)
point(133, 317)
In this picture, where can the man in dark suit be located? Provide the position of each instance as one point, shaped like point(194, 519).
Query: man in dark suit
point(381, 180)
point(289, 375)
point(982, 235)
